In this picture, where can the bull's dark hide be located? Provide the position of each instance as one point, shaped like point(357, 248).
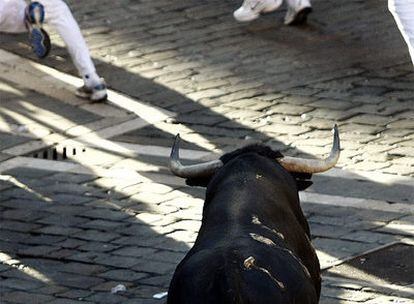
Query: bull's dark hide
point(254, 242)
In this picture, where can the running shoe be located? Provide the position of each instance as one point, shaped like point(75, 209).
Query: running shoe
point(38, 37)
point(96, 93)
point(251, 9)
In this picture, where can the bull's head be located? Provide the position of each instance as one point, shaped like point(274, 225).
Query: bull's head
point(291, 164)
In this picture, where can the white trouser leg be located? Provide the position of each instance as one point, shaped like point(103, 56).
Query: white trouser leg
point(58, 14)
point(403, 12)
point(12, 16)
point(297, 5)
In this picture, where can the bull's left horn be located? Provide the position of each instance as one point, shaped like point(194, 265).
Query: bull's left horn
point(191, 171)
point(302, 165)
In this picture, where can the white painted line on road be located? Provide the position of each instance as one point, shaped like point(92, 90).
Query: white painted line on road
point(381, 178)
point(134, 149)
point(339, 261)
point(35, 163)
point(88, 137)
point(358, 203)
point(70, 167)
point(125, 173)
point(397, 290)
point(128, 150)
point(28, 147)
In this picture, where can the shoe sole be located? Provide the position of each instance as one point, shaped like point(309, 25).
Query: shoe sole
point(91, 98)
point(38, 37)
point(83, 95)
point(39, 40)
point(101, 99)
point(301, 17)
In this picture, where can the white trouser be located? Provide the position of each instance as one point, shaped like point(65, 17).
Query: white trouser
point(58, 15)
point(403, 12)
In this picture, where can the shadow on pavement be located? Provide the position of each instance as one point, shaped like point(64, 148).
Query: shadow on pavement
point(70, 233)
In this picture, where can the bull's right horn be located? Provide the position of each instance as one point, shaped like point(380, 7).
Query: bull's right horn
point(191, 171)
point(302, 165)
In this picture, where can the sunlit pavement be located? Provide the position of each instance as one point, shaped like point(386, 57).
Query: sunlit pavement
point(86, 198)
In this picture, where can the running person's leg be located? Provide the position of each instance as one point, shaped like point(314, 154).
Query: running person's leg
point(12, 16)
point(17, 17)
point(60, 17)
point(403, 12)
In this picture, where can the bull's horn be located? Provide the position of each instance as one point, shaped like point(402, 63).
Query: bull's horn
point(191, 171)
point(301, 165)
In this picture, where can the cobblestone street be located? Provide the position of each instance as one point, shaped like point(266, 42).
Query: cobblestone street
point(112, 213)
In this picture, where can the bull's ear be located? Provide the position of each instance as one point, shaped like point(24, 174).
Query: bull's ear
point(303, 180)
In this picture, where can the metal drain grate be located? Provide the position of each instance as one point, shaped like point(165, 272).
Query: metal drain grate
point(58, 153)
point(393, 264)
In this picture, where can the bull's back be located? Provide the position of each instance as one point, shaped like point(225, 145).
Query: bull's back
point(240, 275)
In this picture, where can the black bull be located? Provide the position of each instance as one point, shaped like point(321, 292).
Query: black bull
point(254, 242)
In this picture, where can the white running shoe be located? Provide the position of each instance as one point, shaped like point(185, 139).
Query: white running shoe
point(251, 9)
point(96, 94)
point(299, 14)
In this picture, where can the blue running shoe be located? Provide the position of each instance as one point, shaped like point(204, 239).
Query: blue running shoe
point(38, 37)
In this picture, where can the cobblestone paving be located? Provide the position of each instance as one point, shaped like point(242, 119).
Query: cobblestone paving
point(281, 85)
point(73, 230)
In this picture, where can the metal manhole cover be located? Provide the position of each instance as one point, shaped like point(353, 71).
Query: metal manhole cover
point(393, 264)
